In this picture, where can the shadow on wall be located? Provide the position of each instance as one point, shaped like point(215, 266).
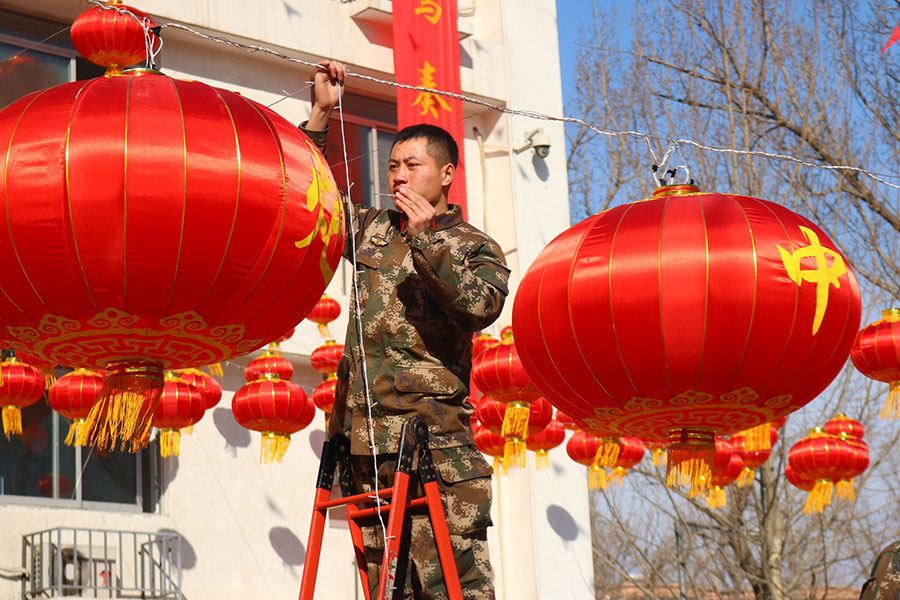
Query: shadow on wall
point(317, 441)
point(288, 546)
point(235, 435)
point(562, 523)
point(188, 556)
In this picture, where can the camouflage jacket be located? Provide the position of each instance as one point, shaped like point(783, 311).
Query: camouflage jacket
point(421, 297)
point(884, 582)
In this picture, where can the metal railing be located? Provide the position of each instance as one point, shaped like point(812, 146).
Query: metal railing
point(100, 563)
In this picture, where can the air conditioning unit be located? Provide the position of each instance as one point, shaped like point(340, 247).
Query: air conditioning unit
point(73, 575)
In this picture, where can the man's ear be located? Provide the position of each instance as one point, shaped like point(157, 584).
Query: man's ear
point(448, 173)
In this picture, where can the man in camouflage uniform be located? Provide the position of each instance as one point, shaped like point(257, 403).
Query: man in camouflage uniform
point(427, 280)
point(884, 582)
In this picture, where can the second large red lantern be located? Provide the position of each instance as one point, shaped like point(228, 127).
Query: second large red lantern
point(686, 316)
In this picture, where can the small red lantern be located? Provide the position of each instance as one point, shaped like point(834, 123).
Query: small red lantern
point(686, 316)
point(492, 444)
point(276, 408)
point(842, 424)
point(113, 39)
point(583, 448)
point(47, 368)
point(722, 478)
point(207, 384)
point(180, 405)
point(275, 346)
point(21, 385)
point(268, 365)
point(323, 395)
point(325, 311)
point(824, 459)
point(631, 452)
point(752, 458)
point(859, 462)
point(481, 342)
point(499, 373)
point(325, 359)
point(876, 354)
point(73, 396)
point(545, 440)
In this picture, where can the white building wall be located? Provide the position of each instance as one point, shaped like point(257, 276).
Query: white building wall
point(245, 525)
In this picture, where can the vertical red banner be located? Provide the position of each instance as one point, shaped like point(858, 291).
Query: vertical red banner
point(426, 54)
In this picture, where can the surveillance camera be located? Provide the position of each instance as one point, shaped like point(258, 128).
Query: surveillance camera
point(541, 144)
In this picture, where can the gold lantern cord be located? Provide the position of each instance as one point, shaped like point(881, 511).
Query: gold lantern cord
point(892, 404)
point(515, 420)
point(12, 420)
point(819, 497)
point(746, 477)
point(273, 447)
point(757, 438)
point(514, 452)
point(169, 442)
point(128, 401)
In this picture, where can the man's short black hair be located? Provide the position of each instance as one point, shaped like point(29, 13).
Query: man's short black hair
point(440, 144)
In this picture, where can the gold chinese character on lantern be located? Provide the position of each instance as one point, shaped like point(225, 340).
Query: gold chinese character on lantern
point(822, 275)
point(428, 101)
point(429, 9)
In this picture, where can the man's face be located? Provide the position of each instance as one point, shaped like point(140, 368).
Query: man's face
point(412, 167)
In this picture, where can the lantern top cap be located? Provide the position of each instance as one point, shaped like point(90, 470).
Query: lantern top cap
point(891, 315)
point(675, 190)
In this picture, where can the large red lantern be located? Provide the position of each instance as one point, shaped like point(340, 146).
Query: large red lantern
point(73, 396)
point(686, 316)
point(545, 440)
point(21, 385)
point(153, 223)
point(277, 409)
point(180, 405)
point(824, 459)
point(498, 372)
point(111, 38)
point(876, 354)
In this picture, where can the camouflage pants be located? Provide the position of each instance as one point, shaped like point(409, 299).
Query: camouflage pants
point(464, 478)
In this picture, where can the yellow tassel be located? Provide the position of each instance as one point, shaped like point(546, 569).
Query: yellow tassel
point(515, 421)
point(892, 404)
point(189, 430)
point(746, 477)
point(74, 428)
point(819, 497)
point(844, 490)
point(514, 453)
point(659, 457)
point(215, 370)
point(499, 465)
point(717, 497)
point(689, 468)
point(169, 442)
point(49, 377)
point(12, 420)
point(274, 349)
point(596, 478)
point(323, 331)
point(616, 476)
point(607, 453)
point(273, 447)
point(757, 438)
point(128, 402)
point(541, 460)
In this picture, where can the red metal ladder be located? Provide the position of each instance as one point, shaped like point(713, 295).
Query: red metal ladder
point(414, 453)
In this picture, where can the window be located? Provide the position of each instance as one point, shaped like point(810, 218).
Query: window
point(369, 133)
point(38, 467)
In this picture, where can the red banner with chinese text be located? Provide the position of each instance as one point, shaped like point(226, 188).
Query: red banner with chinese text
point(426, 54)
